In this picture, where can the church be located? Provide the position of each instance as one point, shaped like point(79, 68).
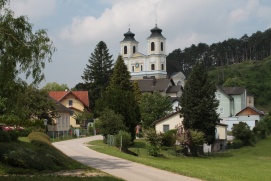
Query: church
point(151, 70)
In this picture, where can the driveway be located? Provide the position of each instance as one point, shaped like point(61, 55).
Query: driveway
point(127, 170)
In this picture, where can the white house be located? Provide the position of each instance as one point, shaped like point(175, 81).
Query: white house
point(173, 120)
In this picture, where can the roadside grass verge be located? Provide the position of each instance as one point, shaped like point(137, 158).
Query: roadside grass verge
point(57, 178)
point(245, 164)
point(35, 158)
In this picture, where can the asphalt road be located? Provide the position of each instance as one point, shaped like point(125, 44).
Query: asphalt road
point(127, 170)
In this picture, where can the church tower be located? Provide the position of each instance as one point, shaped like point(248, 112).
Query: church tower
point(128, 45)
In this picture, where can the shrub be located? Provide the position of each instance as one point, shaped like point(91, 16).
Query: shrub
point(242, 132)
point(24, 132)
point(91, 130)
point(168, 138)
point(14, 135)
point(261, 130)
point(153, 150)
point(123, 137)
point(39, 138)
point(236, 144)
point(4, 136)
point(153, 138)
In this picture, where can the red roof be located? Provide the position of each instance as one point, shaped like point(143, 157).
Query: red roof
point(80, 95)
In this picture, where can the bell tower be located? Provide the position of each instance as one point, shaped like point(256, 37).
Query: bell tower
point(128, 45)
point(156, 42)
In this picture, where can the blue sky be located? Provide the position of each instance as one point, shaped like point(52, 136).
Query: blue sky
point(76, 26)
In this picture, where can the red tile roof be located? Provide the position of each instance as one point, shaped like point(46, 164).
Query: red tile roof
point(80, 95)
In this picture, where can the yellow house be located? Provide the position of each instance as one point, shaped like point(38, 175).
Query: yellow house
point(77, 101)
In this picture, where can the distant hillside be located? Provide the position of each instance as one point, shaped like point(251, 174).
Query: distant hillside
point(255, 74)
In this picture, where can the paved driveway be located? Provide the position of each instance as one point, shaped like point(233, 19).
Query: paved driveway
point(127, 170)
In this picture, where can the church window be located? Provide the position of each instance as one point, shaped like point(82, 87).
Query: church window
point(125, 49)
point(134, 49)
point(162, 66)
point(152, 46)
point(133, 68)
point(141, 67)
point(162, 46)
point(152, 67)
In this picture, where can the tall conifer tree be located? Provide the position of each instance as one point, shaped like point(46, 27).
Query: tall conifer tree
point(119, 97)
point(199, 103)
point(98, 71)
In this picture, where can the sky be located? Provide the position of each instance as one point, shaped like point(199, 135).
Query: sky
point(77, 26)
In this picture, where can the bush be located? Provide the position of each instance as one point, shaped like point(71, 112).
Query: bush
point(236, 144)
point(4, 136)
point(90, 130)
point(24, 132)
point(242, 132)
point(14, 135)
point(168, 138)
point(39, 138)
point(123, 137)
point(153, 150)
point(153, 138)
point(261, 130)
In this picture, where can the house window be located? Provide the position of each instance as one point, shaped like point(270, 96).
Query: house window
point(165, 128)
point(162, 48)
point(133, 68)
point(162, 66)
point(256, 122)
point(141, 67)
point(70, 102)
point(125, 50)
point(221, 110)
point(134, 49)
point(152, 67)
point(152, 46)
point(218, 96)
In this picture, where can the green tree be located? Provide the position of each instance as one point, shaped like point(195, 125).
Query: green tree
point(53, 86)
point(199, 104)
point(234, 82)
point(98, 71)
point(137, 91)
point(22, 51)
point(111, 123)
point(153, 107)
point(120, 97)
point(242, 132)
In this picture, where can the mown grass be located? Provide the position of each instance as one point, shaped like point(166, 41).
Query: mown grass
point(245, 164)
point(57, 178)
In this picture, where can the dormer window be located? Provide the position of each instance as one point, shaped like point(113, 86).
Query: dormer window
point(125, 50)
point(162, 46)
point(152, 46)
point(134, 49)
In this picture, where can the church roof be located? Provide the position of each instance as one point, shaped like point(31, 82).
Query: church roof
point(156, 32)
point(174, 89)
point(129, 36)
point(152, 84)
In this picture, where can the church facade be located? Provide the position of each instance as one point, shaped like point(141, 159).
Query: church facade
point(151, 65)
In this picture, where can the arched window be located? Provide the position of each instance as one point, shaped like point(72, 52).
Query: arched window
point(152, 46)
point(152, 67)
point(133, 68)
point(162, 46)
point(125, 49)
point(162, 66)
point(134, 49)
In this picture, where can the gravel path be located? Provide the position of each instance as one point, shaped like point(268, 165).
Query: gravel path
point(127, 170)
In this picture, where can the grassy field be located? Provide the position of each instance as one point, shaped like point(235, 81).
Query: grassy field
point(245, 164)
point(22, 160)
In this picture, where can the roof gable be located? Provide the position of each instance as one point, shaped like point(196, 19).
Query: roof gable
point(137, 54)
point(80, 95)
point(166, 117)
point(250, 111)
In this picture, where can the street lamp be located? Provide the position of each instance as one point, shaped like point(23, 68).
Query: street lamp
point(45, 123)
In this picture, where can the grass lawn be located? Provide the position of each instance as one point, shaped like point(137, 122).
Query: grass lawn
point(57, 178)
point(245, 164)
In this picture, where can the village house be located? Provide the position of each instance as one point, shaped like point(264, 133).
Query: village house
point(76, 101)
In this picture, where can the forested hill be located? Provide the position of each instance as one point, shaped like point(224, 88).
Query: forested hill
point(253, 48)
point(255, 76)
point(246, 60)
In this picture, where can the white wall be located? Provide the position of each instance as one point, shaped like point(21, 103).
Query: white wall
point(171, 121)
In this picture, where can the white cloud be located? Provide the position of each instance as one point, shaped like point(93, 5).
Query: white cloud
point(34, 9)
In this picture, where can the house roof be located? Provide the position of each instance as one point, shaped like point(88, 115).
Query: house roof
point(168, 116)
point(80, 95)
point(173, 99)
point(234, 90)
point(252, 108)
point(61, 108)
point(152, 84)
point(174, 89)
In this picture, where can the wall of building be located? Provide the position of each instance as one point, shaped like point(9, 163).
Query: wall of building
point(171, 121)
point(224, 103)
